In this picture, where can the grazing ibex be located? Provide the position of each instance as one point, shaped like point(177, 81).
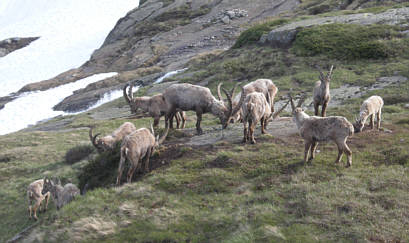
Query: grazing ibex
point(34, 194)
point(188, 97)
point(155, 106)
point(108, 142)
point(321, 92)
point(139, 145)
point(264, 86)
point(370, 107)
point(256, 108)
point(314, 129)
point(61, 195)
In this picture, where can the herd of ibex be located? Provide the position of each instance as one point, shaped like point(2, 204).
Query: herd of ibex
point(255, 103)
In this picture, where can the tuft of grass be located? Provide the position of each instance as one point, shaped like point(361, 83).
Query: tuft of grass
point(253, 34)
point(346, 41)
point(78, 153)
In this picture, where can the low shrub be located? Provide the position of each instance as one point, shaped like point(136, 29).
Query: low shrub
point(346, 41)
point(78, 153)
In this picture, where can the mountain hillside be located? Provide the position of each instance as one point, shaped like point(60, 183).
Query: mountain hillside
point(212, 187)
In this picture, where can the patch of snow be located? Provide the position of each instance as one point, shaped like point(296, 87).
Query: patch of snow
point(169, 74)
point(69, 32)
point(33, 107)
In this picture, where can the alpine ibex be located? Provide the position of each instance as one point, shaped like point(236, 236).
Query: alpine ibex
point(314, 129)
point(264, 86)
point(139, 145)
point(34, 194)
point(370, 107)
point(256, 108)
point(108, 142)
point(188, 97)
point(155, 106)
point(61, 195)
point(321, 92)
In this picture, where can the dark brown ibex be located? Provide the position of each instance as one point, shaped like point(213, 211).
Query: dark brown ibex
point(321, 92)
point(314, 129)
point(155, 106)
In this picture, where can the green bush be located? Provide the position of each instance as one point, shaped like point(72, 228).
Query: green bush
point(78, 153)
point(345, 41)
point(253, 34)
point(102, 170)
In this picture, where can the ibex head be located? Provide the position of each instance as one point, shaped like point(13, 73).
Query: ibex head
point(49, 186)
point(296, 109)
point(100, 144)
point(358, 125)
point(326, 78)
point(229, 110)
point(133, 103)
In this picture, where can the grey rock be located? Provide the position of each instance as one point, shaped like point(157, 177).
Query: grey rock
point(282, 38)
point(226, 19)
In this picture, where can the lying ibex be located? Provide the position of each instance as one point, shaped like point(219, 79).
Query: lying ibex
point(371, 106)
point(61, 195)
point(155, 106)
point(321, 92)
point(256, 108)
point(188, 97)
point(264, 86)
point(108, 142)
point(314, 129)
point(34, 194)
point(139, 145)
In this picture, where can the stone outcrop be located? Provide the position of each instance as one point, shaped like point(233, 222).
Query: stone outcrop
point(12, 44)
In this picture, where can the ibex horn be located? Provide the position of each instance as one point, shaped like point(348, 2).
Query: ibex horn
point(292, 102)
point(281, 109)
point(125, 94)
point(219, 95)
point(93, 138)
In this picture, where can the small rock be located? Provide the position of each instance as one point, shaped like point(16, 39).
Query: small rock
point(407, 106)
point(226, 19)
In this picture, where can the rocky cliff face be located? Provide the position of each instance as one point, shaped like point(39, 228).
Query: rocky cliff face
point(12, 44)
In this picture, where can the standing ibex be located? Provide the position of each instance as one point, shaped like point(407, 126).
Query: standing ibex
point(34, 193)
point(314, 129)
point(188, 97)
point(108, 142)
point(155, 106)
point(139, 145)
point(321, 92)
point(61, 195)
point(371, 106)
point(256, 108)
point(264, 86)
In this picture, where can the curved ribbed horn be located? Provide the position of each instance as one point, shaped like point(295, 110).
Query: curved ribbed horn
point(125, 95)
point(330, 72)
point(152, 131)
point(238, 106)
point(292, 102)
point(301, 100)
point(233, 90)
point(93, 138)
point(219, 95)
point(162, 139)
point(281, 109)
point(230, 106)
point(130, 93)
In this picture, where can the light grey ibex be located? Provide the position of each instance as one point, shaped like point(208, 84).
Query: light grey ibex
point(108, 142)
point(155, 106)
point(61, 195)
point(370, 107)
point(314, 129)
point(34, 194)
point(188, 97)
point(264, 86)
point(321, 92)
point(256, 108)
point(139, 145)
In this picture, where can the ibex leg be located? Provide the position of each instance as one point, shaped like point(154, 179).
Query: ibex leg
point(372, 121)
point(313, 148)
point(378, 124)
point(307, 147)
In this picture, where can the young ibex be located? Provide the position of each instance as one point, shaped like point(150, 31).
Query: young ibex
point(256, 108)
point(188, 97)
point(264, 86)
point(371, 107)
point(139, 145)
point(108, 142)
point(321, 92)
point(155, 106)
point(314, 129)
point(61, 195)
point(34, 194)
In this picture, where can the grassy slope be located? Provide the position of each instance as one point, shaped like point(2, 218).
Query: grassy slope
point(230, 192)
